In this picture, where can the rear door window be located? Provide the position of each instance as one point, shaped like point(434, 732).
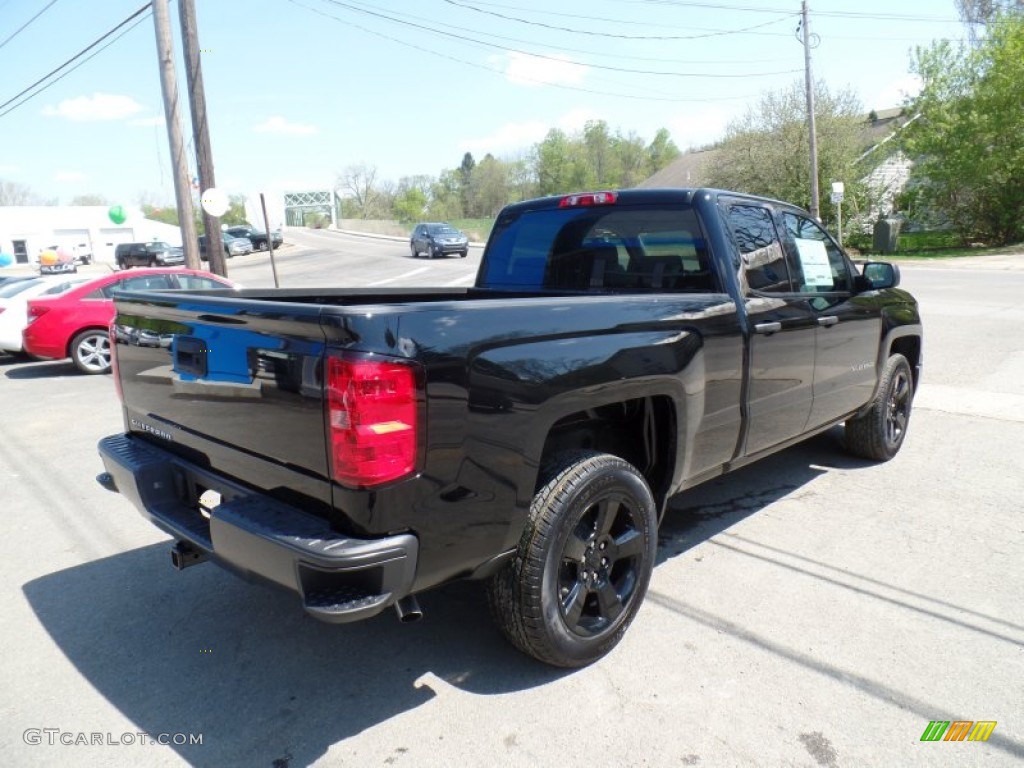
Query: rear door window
point(764, 268)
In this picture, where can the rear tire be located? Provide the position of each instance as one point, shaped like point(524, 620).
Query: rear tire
point(879, 433)
point(90, 351)
point(583, 564)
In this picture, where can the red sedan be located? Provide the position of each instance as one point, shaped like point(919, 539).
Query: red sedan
point(76, 324)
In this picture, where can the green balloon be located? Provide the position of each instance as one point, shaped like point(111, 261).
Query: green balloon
point(117, 214)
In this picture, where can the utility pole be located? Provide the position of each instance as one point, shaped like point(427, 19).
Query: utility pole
point(809, 80)
point(169, 86)
point(201, 131)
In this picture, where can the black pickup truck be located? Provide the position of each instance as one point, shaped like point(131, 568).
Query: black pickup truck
point(361, 446)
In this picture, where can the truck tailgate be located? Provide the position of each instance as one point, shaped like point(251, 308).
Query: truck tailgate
point(229, 384)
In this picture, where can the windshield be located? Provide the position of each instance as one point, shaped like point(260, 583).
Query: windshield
point(639, 248)
point(13, 289)
point(442, 229)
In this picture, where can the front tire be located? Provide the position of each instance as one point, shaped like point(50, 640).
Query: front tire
point(879, 433)
point(415, 252)
point(583, 564)
point(90, 351)
point(262, 245)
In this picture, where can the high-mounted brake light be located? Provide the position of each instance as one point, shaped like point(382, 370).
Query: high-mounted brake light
point(590, 198)
point(372, 420)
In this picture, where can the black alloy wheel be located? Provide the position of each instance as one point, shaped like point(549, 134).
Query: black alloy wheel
point(584, 562)
point(879, 433)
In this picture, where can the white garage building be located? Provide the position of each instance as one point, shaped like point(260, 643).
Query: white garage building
point(27, 230)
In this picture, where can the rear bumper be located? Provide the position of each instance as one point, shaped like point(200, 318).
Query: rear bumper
point(339, 579)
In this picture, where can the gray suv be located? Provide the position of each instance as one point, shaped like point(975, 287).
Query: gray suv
point(154, 254)
point(437, 239)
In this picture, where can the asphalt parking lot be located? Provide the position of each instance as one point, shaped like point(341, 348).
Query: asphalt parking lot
point(810, 610)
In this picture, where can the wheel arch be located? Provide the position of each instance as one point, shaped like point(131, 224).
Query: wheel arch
point(642, 431)
point(68, 350)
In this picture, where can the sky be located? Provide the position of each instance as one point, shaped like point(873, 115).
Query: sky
point(298, 90)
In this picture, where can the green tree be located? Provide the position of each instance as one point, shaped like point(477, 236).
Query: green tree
point(488, 187)
point(978, 15)
point(767, 151)
point(412, 196)
point(362, 192)
point(465, 176)
point(446, 196)
point(966, 139)
point(16, 193)
point(661, 151)
point(89, 199)
point(167, 214)
point(236, 211)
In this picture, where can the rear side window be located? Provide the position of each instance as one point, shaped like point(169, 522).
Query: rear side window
point(613, 249)
point(764, 267)
point(197, 283)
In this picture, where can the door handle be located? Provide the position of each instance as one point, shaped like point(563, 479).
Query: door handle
point(768, 327)
point(828, 322)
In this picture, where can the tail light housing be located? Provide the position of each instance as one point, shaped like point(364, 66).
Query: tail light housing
point(373, 420)
point(35, 311)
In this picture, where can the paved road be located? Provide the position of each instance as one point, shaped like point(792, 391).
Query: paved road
point(812, 610)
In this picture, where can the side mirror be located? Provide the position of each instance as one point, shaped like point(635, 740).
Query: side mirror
point(878, 275)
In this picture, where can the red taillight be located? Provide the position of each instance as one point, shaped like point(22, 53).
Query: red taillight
point(35, 311)
point(372, 419)
point(590, 198)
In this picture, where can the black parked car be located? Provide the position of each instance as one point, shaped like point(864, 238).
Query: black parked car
point(257, 237)
point(438, 239)
point(154, 254)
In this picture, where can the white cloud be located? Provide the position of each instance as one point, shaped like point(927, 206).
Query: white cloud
point(280, 125)
point(513, 136)
point(99, 106)
point(695, 129)
point(524, 69)
point(893, 94)
point(506, 137)
point(8, 169)
point(574, 120)
point(149, 121)
point(68, 177)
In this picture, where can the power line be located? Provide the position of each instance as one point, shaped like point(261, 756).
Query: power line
point(838, 14)
point(568, 49)
point(714, 33)
point(495, 71)
point(78, 55)
point(20, 29)
point(556, 59)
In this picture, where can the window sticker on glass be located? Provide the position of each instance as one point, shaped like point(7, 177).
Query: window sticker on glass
point(814, 262)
